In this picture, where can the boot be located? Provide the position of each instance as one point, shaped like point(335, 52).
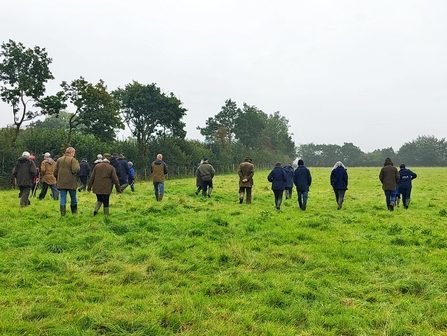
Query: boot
point(106, 211)
point(97, 206)
point(304, 206)
point(391, 206)
point(278, 204)
point(210, 190)
point(156, 196)
point(407, 203)
point(63, 210)
point(241, 198)
point(300, 203)
point(397, 202)
point(160, 197)
point(339, 203)
point(74, 208)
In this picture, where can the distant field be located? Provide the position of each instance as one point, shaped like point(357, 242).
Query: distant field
point(196, 266)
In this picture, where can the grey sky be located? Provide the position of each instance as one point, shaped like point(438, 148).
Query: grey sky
point(369, 72)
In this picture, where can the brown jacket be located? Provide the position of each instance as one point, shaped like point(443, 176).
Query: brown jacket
point(47, 171)
point(246, 171)
point(389, 176)
point(102, 179)
point(65, 171)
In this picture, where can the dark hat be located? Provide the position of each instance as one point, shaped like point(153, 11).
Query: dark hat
point(402, 166)
point(205, 159)
point(248, 159)
point(300, 162)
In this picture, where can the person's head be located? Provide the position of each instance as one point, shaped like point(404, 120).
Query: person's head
point(99, 156)
point(278, 164)
point(402, 166)
point(26, 154)
point(248, 159)
point(205, 159)
point(106, 156)
point(130, 164)
point(121, 156)
point(338, 164)
point(70, 151)
point(300, 162)
point(159, 157)
point(84, 160)
point(388, 162)
point(46, 155)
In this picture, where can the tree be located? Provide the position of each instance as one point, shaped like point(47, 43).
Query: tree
point(250, 125)
point(149, 112)
point(277, 137)
point(424, 151)
point(96, 110)
point(351, 155)
point(23, 73)
point(221, 126)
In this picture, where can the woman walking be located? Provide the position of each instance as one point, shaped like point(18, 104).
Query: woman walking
point(339, 182)
point(278, 177)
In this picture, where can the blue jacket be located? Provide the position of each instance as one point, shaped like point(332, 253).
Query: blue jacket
point(278, 177)
point(339, 178)
point(406, 175)
point(302, 178)
point(122, 170)
point(289, 172)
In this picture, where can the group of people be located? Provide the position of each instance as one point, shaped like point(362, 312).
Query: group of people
point(394, 183)
point(60, 176)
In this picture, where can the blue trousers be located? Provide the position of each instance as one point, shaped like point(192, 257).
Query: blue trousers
point(63, 194)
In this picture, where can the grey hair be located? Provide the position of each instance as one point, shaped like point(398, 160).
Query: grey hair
point(338, 164)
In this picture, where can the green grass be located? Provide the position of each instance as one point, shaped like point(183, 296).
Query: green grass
point(197, 266)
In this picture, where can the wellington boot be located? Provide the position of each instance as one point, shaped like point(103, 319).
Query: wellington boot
point(339, 203)
point(63, 210)
point(156, 197)
point(74, 209)
point(106, 211)
point(160, 197)
point(210, 190)
point(97, 207)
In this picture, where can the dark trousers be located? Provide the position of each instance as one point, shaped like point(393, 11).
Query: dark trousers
point(24, 196)
point(406, 193)
point(206, 185)
point(339, 193)
point(104, 199)
point(54, 191)
point(278, 198)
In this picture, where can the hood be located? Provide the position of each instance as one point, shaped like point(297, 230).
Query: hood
point(23, 159)
point(388, 162)
point(49, 160)
point(158, 162)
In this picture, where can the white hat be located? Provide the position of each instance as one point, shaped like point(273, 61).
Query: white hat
point(47, 154)
point(99, 156)
point(26, 154)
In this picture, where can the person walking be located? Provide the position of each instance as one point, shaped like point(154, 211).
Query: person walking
point(405, 184)
point(131, 176)
point(302, 180)
point(339, 182)
point(122, 168)
point(278, 177)
point(289, 184)
point(65, 172)
point(98, 160)
point(205, 173)
point(246, 171)
point(48, 180)
point(389, 176)
point(198, 180)
point(101, 182)
point(158, 170)
point(84, 171)
point(24, 172)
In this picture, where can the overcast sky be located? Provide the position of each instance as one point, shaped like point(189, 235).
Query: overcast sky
point(373, 73)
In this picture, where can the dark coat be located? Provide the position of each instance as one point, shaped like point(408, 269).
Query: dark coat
point(278, 177)
point(158, 170)
point(65, 171)
point(84, 169)
point(102, 179)
point(246, 170)
point(289, 171)
point(24, 171)
point(339, 178)
point(389, 176)
point(205, 172)
point(122, 170)
point(406, 176)
point(302, 178)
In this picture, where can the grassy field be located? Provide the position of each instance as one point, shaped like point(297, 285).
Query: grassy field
point(196, 266)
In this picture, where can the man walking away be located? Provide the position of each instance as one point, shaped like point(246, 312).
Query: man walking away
point(158, 170)
point(48, 180)
point(24, 171)
point(123, 172)
point(84, 171)
point(389, 176)
point(405, 185)
point(246, 171)
point(65, 172)
point(302, 180)
point(205, 173)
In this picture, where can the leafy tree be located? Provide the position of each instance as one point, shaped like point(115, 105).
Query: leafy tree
point(23, 73)
point(149, 113)
point(250, 126)
point(351, 154)
point(221, 127)
point(277, 136)
point(424, 151)
point(96, 110)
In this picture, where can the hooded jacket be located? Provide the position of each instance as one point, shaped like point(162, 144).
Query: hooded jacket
point(46, 171)
point(289, 171)
point(65, 172)
point(339, 178)
point(158, 170)
point(102, 179)
point(406, 176)
point(389, 176)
